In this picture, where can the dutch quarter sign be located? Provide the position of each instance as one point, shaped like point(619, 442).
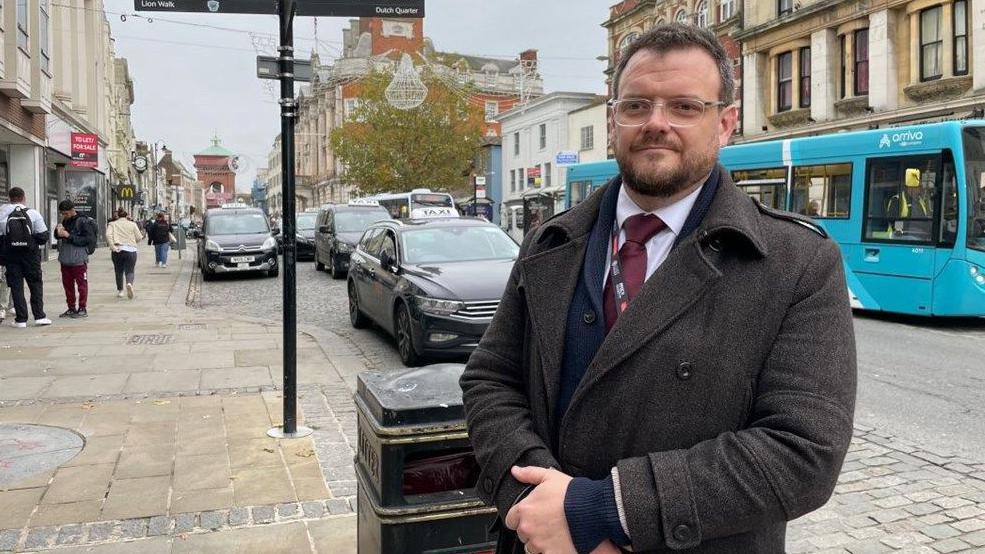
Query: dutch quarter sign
point(327, 8)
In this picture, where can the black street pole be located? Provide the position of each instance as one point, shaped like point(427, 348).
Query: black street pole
point(288, 112)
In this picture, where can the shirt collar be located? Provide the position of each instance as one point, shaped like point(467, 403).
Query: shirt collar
point(673, 216)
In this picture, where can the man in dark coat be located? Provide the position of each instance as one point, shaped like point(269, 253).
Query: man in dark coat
point(672, 365)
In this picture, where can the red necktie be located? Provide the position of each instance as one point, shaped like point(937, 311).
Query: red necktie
point(639, 228)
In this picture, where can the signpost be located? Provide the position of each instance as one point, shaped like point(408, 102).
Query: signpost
point(268, 67)
point(286, 10)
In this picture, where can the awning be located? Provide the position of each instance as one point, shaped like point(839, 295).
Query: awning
point(549, 191)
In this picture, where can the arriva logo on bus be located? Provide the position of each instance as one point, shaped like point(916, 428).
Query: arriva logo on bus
point(908, 138)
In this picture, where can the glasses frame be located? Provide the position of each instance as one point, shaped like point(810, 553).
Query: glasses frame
point(705, 104)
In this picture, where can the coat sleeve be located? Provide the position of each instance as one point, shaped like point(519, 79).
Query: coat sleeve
point(497, 408)
point(786, 462)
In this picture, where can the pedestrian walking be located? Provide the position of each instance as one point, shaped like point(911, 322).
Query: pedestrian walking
point(672, 365)
point(123, 236)
point(160, 235)
point(22, 232)
point(77, 235)
point(4, 291)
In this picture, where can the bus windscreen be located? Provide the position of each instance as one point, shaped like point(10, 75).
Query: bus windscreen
point(432, 201)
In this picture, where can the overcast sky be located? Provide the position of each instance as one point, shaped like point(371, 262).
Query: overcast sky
point(195, 74)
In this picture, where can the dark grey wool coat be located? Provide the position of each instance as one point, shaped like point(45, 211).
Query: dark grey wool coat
point(724, 394)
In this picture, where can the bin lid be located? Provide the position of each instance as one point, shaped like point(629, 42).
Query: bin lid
point(416, 396)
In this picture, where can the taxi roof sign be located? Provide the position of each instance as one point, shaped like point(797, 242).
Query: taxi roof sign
point(234, 205)
point(433, 213)
point(364, 202)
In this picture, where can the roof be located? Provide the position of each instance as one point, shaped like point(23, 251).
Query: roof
point(474, 63)
point(216, 150)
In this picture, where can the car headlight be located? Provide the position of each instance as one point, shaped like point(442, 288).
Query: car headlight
point(269, 244)
point(438, 306)
point(343, 248)
point(212, 246)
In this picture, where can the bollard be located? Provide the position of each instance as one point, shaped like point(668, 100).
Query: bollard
point(415, 469)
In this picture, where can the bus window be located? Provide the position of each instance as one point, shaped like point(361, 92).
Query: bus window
point(949, 202)
point(901, 193)
point(768, 186)
point(579, 190)
point(431, 201)
point(822, 191)
point(974, 153)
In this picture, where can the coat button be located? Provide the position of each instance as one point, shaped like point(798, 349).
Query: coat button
point(487, 485)
point(588, 317)
point(684, 371)
point(682, 533)
point(715, 244)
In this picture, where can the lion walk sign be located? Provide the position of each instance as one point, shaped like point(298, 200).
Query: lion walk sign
point(322, 8)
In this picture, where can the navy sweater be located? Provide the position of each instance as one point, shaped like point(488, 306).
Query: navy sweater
point(590, 505)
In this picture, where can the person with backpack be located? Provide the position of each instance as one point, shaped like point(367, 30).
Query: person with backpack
point(22, 231)
point(76, 236)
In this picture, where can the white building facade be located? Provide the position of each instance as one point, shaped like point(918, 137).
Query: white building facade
point(533, 135)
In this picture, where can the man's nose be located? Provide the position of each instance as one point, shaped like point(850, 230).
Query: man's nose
point(658, 119)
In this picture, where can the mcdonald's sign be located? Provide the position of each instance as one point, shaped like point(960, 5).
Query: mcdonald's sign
point(126, 192)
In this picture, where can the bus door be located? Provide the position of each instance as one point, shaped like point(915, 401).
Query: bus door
point(897, 259)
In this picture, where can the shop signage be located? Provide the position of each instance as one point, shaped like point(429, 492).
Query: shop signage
point(85, 150)
point(81, 187)
point(126, 192)
point(323, 8)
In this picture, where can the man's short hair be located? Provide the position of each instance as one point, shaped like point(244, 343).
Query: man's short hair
point(15, 194)
point(667, 37)
point(66, 205)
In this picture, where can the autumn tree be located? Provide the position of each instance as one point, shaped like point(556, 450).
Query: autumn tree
point(387, 149)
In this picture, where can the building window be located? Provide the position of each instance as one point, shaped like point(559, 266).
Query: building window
point(726, 10)
point(492, 110)
point(702, 14)
point(45, 55)
point(516, 145)
point(961, 37)
point(843, 79)
point(931, 43)
point(587, 137)
point(22, 26)
point(784, 85)
point(681, 17)
point(512, 180)
point(805, 77)
point(784, 7)
point(861, 44)
point(521, 175)
point(543, 136)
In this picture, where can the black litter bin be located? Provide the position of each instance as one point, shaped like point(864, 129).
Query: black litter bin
point(415, 467)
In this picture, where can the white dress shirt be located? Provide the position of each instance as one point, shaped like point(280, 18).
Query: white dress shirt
point(37, 220)
point(658, 247)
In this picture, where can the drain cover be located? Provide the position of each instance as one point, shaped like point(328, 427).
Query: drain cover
point(151, 339)
point(27, 450)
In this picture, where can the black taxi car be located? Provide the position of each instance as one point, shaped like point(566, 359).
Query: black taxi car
point(305, 242)
point(337, 230)
point(236, 238)
point(433, 284)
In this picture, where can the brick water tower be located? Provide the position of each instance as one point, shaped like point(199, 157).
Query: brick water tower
point(214, 170)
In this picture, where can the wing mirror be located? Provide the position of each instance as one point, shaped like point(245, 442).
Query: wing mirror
point(388, 262)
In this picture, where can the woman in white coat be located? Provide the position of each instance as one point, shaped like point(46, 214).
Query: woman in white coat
point(123, 236)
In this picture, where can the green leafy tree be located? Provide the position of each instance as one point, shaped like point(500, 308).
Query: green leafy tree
point(386, 149)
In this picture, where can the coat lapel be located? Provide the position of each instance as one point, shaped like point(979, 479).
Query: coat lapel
point(549, 278)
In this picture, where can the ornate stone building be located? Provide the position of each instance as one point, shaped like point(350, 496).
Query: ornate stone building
point(819, 66)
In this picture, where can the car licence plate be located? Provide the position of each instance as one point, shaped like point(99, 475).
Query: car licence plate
point(243, 265)
point(242, 259)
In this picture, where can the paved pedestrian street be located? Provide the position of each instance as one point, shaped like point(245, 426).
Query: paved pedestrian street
point(174, 403)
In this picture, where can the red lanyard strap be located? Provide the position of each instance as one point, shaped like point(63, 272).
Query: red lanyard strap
point(619, 292)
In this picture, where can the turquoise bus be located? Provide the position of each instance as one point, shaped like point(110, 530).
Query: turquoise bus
point(906, 205)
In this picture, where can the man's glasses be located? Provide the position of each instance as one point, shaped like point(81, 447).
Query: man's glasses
point(680, 112)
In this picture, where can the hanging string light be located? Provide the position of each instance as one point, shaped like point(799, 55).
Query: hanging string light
point(406, 91)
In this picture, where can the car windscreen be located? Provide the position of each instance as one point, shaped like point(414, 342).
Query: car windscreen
point(237, 224)
point(306, 222)
point(457, 244)
point(356, 221)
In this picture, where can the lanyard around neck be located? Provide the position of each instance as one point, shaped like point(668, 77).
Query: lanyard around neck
point(619, 292)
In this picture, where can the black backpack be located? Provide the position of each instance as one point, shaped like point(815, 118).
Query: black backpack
point(90, 225)
point(19, 233)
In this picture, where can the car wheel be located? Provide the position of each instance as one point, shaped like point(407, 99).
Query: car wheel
point(207, 275)
point(356, 317)
point(405, 338)
point(336, 271)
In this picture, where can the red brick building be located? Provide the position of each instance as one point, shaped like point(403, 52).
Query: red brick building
point(214, 172)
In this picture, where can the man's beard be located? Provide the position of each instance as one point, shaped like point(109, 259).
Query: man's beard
point(664, 183)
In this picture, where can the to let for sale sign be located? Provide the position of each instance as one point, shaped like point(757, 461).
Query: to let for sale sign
point(85, 150)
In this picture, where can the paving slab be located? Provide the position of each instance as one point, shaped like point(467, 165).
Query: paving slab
point(234, 378)
point(335, 535)
point(87, 386)
point(18, 505)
